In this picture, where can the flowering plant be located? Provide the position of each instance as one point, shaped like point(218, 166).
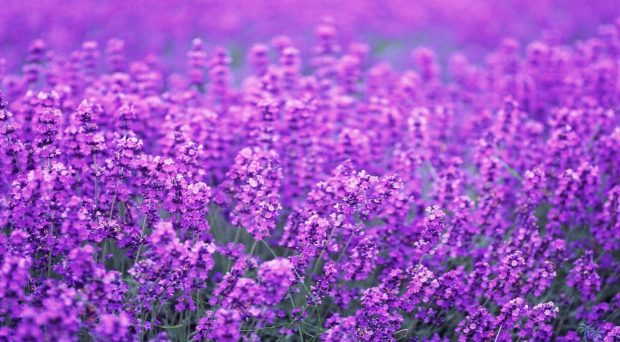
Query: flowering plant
point(316, 194)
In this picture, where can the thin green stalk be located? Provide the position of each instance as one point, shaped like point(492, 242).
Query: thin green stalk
point(269, 249)
point(254, 247)
point(51, 229)
point(49, 252)
point(301, 281)
point(113, 200)
point(104, 251)
point(498, 332)
point(301, 333)
point(561, 322)
point(509, 168)
point(141, 236)
point(237, 237)
point(344, 249)
point(318, 260)
point(96, 181)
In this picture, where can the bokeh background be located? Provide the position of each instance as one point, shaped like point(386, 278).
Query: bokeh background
point(165, 28)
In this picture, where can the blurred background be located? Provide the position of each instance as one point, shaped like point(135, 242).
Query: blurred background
point(166, 28)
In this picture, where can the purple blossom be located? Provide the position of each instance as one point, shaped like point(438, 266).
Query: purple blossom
point(226, 325)
point(113, 327)
point(477, 326)
point(583, 277)
point(255, 181)
point(276, 276)
point(421, 288)
point(351, 185)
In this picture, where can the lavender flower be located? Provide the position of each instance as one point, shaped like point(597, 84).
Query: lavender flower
point(255, 181)
point(583, 277)
point(276, 277)
point(237, 187)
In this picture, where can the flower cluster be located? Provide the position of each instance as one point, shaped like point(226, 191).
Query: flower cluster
point(310, 190)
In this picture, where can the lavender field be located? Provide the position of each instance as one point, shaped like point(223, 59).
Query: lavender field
point(310, 170)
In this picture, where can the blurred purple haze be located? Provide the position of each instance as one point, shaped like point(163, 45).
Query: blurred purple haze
point(165, 28)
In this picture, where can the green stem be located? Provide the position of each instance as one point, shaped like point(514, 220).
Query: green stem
point(498, 332)
point(104, 251)
point(301, 333)
point(237, 237)
point(318, 260)
point(344, 249)
point(269, 249)
point(254, 246)
point(301, 281)
point(141, 236)
point(113, 200)
point(49, 252)
point(96, 180)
